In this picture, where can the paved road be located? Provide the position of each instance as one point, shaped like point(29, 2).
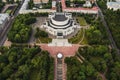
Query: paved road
point(58, 6)
point(113, 44)
point(3, 35)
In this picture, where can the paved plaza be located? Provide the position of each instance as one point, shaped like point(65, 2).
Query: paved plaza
point(65, 50)
point(40, 21)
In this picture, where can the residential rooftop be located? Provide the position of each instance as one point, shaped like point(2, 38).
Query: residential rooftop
point(3, 17)
point(113, 5)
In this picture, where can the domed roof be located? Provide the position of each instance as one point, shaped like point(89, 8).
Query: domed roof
point(60, 20)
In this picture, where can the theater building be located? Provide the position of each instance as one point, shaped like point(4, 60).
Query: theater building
point(60, 24)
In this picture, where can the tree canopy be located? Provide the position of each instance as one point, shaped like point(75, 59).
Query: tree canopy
point(21, 29)
point(22, 63)
point(113, 20)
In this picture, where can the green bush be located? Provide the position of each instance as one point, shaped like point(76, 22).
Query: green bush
point(40, 33)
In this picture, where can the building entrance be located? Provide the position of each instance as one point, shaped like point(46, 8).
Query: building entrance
point(59, 35)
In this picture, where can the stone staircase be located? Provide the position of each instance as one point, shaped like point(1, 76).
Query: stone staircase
point(59, 42)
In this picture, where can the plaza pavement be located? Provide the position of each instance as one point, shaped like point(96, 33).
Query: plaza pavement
point(65, 50)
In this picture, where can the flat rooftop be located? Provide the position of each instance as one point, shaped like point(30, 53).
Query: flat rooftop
point(60, 17)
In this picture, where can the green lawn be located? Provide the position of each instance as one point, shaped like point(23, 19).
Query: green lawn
point(94, 59)
point(84, 41)
point(43, 40)
point(34, 75)
point(78, 37)
point(8, 11)
point(82, 21)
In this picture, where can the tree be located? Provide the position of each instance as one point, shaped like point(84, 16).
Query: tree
point(101, 50)
point(90, 70)
point(40, 33)
point(94, 35)
point(3, 59)
point(12, 57)
point(30, 21)
point(108, 57)
point(21, 29)
point(21, 61)
point(30, 4)
point(1, 5)
point(7, 71)
point(17, 38)
point(3, 49)
point(36, 62)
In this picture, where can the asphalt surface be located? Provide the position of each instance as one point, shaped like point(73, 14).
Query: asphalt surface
point(3, 35)
point(113, 44)
point(40, 21)
point(58, 6)
point(7, 27)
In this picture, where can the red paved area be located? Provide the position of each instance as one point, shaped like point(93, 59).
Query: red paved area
point(63, 4)
point(65, 50)
point(92, 9)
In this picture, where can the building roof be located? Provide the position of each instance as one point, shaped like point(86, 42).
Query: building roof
point(77, 8)
point(3, 17)
point(25, 5)
point(39, 1)
point(114, 5)
point(60, 20)
point(60, 17)
point(53, 3)
point(117, 0)
point(69, 24)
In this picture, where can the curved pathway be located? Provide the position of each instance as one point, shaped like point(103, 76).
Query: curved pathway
point(82, 36)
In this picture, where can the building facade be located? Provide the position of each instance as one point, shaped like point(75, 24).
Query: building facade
point(9, 0)
point(113, 5)
point(3, 19)
point(60, 24)
point(40, 1)
point(93, 10)
point(24, 9)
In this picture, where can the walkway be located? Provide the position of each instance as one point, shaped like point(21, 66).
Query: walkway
point(59, 75)
point(67, 51)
